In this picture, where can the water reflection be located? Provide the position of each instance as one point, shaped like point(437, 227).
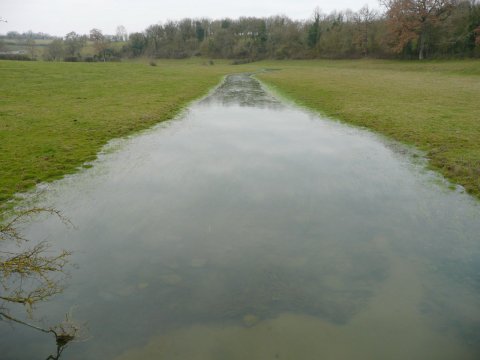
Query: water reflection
point(240, 90)
point(252, 229)
point(31, 273)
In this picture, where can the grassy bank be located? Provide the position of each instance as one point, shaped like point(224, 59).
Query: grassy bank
point(432, 105)
point(56, 116)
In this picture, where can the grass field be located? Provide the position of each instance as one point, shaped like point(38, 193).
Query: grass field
point(56, 116)
point(432, 105)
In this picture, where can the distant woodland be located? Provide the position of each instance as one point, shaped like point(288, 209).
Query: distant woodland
point(408, 29)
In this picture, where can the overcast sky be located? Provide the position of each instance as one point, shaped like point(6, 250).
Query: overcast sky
point(58, 17)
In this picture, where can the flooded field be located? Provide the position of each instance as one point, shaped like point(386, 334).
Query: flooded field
point(253, 229)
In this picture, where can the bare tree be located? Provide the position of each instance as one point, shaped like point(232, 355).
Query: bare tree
point(31, 44)
point(153, 37)
point(364, 19)
point(100, 42)
point(121, 33)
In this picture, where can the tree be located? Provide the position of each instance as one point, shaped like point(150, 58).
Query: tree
point(30, 275)
point(170, 29)
point(199, 31)
point(100, 42)
point(286, 38)
point(31, 44)
point(338, 35)
point(55, 50)
point(186, 41)
point(137, 44)
point(13, 35)
point(121, 33)
point(74, 43)
point(152, 39)
point(364, 19)
point(474, 22)
point(412, 20)
point(456, 34)
point(314, 29)
point(222, 41)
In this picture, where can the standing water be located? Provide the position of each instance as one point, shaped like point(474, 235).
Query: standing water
point(249, 229)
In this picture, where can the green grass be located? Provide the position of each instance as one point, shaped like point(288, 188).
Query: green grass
point(432, 105)
point(56, 116)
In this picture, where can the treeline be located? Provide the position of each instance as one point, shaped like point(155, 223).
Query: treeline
point(407, 29)
point(14, 35)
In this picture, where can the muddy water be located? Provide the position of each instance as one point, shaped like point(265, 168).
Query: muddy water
point(252, 229)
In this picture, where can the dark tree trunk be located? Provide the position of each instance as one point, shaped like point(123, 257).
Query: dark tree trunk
point(421, 51)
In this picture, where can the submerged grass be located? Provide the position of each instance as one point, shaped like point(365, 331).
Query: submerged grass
point(432, 105)
point(54, 117)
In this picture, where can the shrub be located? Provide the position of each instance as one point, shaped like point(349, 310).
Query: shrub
point(19, 57)
point(71, 59)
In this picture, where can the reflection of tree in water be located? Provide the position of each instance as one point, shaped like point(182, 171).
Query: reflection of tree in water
point(31, 274)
